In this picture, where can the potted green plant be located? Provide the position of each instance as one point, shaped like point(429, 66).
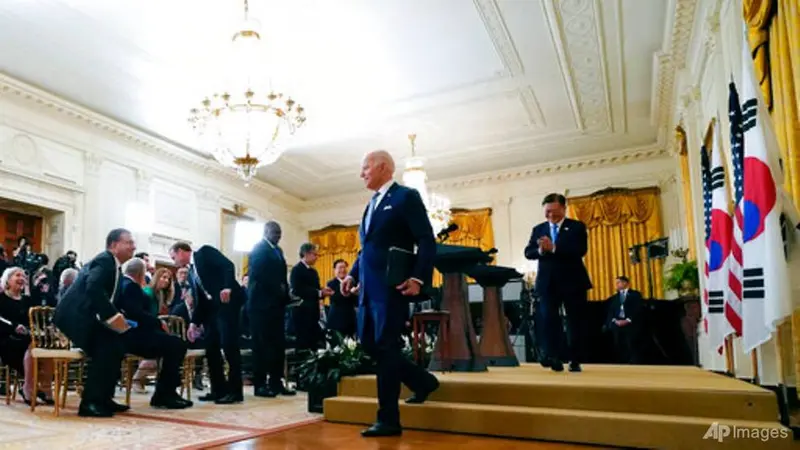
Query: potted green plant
point(683, 276)
point(321, 371)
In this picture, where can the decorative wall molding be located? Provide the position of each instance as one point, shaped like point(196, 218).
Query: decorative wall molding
point(578, 24)
point(151, 144)
point(501, 38)
point(670, 61)
point(510, 175)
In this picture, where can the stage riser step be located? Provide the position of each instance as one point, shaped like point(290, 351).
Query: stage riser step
point(589, 427)
point(698, 403)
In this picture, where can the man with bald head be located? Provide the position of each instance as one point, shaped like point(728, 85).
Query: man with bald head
point(394, 217)
point(267, 297)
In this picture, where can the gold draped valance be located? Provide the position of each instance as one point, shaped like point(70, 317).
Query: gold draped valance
point(334, 242)
point(474, 230)
point(616, 220)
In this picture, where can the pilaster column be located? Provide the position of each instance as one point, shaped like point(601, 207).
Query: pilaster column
point(208, 229)
point(144, 182)
point(93, 231)
point(501, 222)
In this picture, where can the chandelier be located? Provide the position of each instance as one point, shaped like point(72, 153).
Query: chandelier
point(244, 124)
point(437, 206)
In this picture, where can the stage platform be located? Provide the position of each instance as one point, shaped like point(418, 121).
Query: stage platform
point(665, 407)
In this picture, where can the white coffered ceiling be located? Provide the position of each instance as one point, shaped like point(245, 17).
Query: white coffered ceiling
point(485, 84)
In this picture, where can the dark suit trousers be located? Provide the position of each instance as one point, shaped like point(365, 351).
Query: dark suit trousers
point(625, 344)
point(393, 369)
point(222, 334)
point(306, 327)
point(155, 344)
point(269, 346)
point(551, 326)
point(106, 350)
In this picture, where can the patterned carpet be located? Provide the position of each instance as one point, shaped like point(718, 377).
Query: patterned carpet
point(201, 426)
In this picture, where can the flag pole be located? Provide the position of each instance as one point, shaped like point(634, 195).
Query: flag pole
point(783, 392)
point(754, 363)
point(729, 360)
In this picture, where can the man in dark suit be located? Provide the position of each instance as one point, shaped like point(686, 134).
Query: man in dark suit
point(624, 320)
point(395, 217)
point(150, 338)
point(87, 316)
point(342, 314)
point(267, 297)
point(305, 285)
point(218, 302)
point(559, 244)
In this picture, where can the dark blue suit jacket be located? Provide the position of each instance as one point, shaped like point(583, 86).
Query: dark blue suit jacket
point(399, 220)
point(561, 272)
point(267, 285)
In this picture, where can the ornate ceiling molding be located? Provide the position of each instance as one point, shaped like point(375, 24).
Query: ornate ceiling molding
point(501, 38)
point(669, 62)
point(504, 176)
point(577, 22)
point(147, 142)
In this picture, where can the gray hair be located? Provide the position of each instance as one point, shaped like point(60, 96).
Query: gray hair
point(307, 248)
point(134, 268)
point(7, 274)
point(67, 275)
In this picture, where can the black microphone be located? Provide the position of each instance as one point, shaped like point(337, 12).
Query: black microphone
point(445, 234)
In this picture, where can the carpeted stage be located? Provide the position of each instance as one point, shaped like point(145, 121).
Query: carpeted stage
point(202, 426)
point(666, 407)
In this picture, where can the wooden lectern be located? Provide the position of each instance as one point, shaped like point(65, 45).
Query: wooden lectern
point(495, 344)
point(453, 261)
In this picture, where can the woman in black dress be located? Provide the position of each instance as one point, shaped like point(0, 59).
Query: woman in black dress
point(15, 337)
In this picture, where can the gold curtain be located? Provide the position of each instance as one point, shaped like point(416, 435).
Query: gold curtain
point(686, 187)
point(474, 230)
point(774, 37)
point(618, 219)
point(334, 242)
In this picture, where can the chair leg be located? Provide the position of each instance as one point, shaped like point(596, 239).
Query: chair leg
point(79, 382)
point(65, 385)
point(8, 385)
point(35, 383)
point(57, 387)
point(128, 380)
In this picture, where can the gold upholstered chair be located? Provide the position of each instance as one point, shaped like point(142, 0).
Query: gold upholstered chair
point(177, 327)
point(49, 343)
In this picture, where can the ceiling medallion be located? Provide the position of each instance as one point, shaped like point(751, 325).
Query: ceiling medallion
point(437, 206)
point(245, 124)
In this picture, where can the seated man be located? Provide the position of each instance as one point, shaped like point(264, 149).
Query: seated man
point(149, 338)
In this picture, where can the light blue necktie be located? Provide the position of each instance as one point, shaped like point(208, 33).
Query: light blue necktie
point(553, 232)
point(370, 209)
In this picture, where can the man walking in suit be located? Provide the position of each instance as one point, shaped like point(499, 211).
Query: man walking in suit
point(87, 316)
point(559, 244)
point(624, 319)
point(218, 302)
point(149, 339)
point(395, 217)
point(267, 297)
point(305, 284)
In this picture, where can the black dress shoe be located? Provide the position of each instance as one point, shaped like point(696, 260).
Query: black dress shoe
point(418, 398)
point(382, 430)
point(229, 399)
point(43, 397)
point(574, 367)
point(170, 402)
point(94, 410)
point(116, 407)
point(198, 385)
point(545, 362)
point(265, 392)
point(556, 365)
point(210, 397)
point(286, 392)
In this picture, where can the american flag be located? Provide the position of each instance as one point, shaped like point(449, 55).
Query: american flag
point(733, 308)
point(706, 165)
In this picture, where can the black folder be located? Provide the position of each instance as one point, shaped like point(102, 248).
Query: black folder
point(399, 265)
